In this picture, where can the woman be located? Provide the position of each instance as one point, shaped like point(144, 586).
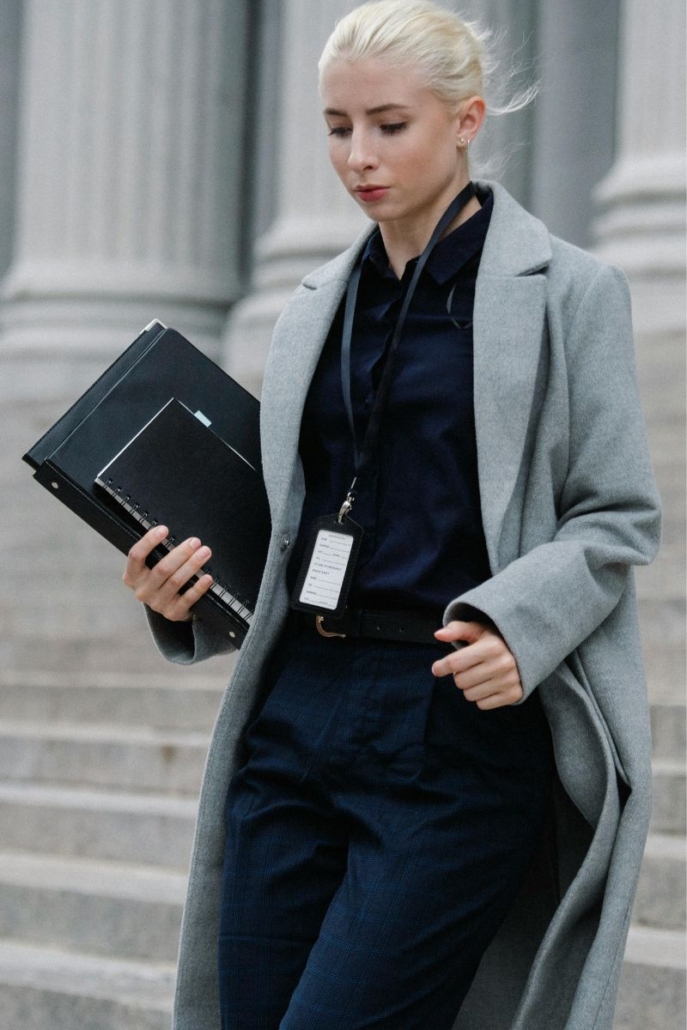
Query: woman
point(454, 399)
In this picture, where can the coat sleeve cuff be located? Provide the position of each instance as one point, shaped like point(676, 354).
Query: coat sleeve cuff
point(537, 641)
point(186, 643)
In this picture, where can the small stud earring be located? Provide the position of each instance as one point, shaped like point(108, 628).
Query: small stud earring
point(464, 142)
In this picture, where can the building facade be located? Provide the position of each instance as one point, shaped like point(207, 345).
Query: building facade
point(163, 158)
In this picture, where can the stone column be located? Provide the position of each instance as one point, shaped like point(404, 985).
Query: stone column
point(641, 227)
point(504, 147)
point(127, 208)
point(641, 223)
point(314, 218)
point(10, 39)
point(128, 197)
point(574, 114)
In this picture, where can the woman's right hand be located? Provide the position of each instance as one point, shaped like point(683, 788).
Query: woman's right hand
point(159, 587)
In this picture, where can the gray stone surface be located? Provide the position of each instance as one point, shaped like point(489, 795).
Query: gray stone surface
point(104, 824)
point(94, 908)
point(34, 1007)
point(43, 987)
point(114, 699)
point(652, 985)
point(669, 810)
point(137, 758)
point(669, 730)
point(660, 900)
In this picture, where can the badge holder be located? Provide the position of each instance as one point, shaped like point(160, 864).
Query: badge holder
point(328, 565)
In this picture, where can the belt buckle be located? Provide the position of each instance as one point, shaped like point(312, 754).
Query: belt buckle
point(323, 632)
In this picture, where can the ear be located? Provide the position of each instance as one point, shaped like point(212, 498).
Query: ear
point(469, 119)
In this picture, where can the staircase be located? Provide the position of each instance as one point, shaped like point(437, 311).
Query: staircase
point(652, 990)
point(652, 987)
point(99, 772)
point(98, 785)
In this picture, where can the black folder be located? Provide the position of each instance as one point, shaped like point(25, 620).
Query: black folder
point(161, 365)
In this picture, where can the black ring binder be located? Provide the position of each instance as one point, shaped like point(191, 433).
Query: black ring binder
point(159, 365)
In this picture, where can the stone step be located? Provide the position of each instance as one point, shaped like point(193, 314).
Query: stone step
point(32, 640)
point(123, 827)
point(139, 758)
point(669, 814)
point(99, 908)
point(110, 698)
point(669, 730)
point(660, 900)
point(43, 987)
point(662, 622)
point(652, 984)
point(665, 577)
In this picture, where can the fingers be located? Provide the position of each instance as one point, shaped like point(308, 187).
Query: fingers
point(456, 630)
point(160, 586)
point(177, 608)
point(136, 559)
point(485, 670)
point(499, 700)
point(173, 571)
point(472, 634)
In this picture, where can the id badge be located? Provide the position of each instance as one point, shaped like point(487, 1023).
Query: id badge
point(328, 565)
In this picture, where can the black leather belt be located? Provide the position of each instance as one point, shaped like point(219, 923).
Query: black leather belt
point(411, 627)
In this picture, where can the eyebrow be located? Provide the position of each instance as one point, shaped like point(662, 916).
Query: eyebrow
point(371, 110)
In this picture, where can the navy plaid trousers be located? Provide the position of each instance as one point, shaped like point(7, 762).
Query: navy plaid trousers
point(378, 831)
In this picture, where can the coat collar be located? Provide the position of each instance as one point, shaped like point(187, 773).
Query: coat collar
point(508, 329)
point(517, 243)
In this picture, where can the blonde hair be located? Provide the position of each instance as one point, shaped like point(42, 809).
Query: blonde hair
point(455, 57)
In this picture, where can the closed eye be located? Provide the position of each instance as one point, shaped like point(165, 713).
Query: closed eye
point(339, 130)
point(391, 130)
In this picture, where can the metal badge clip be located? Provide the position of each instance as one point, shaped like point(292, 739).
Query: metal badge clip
point(345, 508)
point(324, 632)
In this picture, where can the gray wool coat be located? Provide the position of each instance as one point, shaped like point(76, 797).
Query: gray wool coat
point(569, 505)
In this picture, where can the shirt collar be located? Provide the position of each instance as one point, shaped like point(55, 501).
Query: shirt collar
point(450, 254)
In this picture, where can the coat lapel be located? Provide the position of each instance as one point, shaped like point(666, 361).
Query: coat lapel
point(297, 344)
point(508, 327)
point(509, 321)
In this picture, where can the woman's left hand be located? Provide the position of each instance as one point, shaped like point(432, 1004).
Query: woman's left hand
point(485, 669)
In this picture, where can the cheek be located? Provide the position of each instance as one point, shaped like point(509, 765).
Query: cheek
point(338, 157)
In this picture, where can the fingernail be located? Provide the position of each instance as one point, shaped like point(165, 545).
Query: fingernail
point(204, 552)
point(194, 542)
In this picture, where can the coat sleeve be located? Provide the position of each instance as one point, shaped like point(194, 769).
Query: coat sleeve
point(546, 602)
point(186, 643)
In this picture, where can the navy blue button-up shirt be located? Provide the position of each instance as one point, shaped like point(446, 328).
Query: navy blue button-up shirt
point(418, 502)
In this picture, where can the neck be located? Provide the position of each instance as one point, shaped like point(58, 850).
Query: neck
point(404, 241)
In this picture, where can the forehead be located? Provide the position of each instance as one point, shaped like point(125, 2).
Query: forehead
point(353, 86)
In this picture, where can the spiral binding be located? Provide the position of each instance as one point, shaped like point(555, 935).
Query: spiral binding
point(145, 519)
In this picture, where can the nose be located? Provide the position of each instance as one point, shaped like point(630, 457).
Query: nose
point(360, 155)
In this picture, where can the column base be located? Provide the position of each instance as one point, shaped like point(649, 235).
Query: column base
point(291, 249)
point(641, 227)
point(56, 347)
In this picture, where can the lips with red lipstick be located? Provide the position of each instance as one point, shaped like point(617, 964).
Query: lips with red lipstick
point(371, 193)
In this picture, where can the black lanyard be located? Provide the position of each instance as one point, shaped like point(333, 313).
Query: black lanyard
point(375, 420)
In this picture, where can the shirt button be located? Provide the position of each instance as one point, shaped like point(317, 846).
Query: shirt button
point(285, 541)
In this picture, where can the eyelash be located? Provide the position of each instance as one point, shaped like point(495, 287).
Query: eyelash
point(342, 131)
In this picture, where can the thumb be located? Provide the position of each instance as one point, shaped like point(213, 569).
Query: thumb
point(466, 631)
